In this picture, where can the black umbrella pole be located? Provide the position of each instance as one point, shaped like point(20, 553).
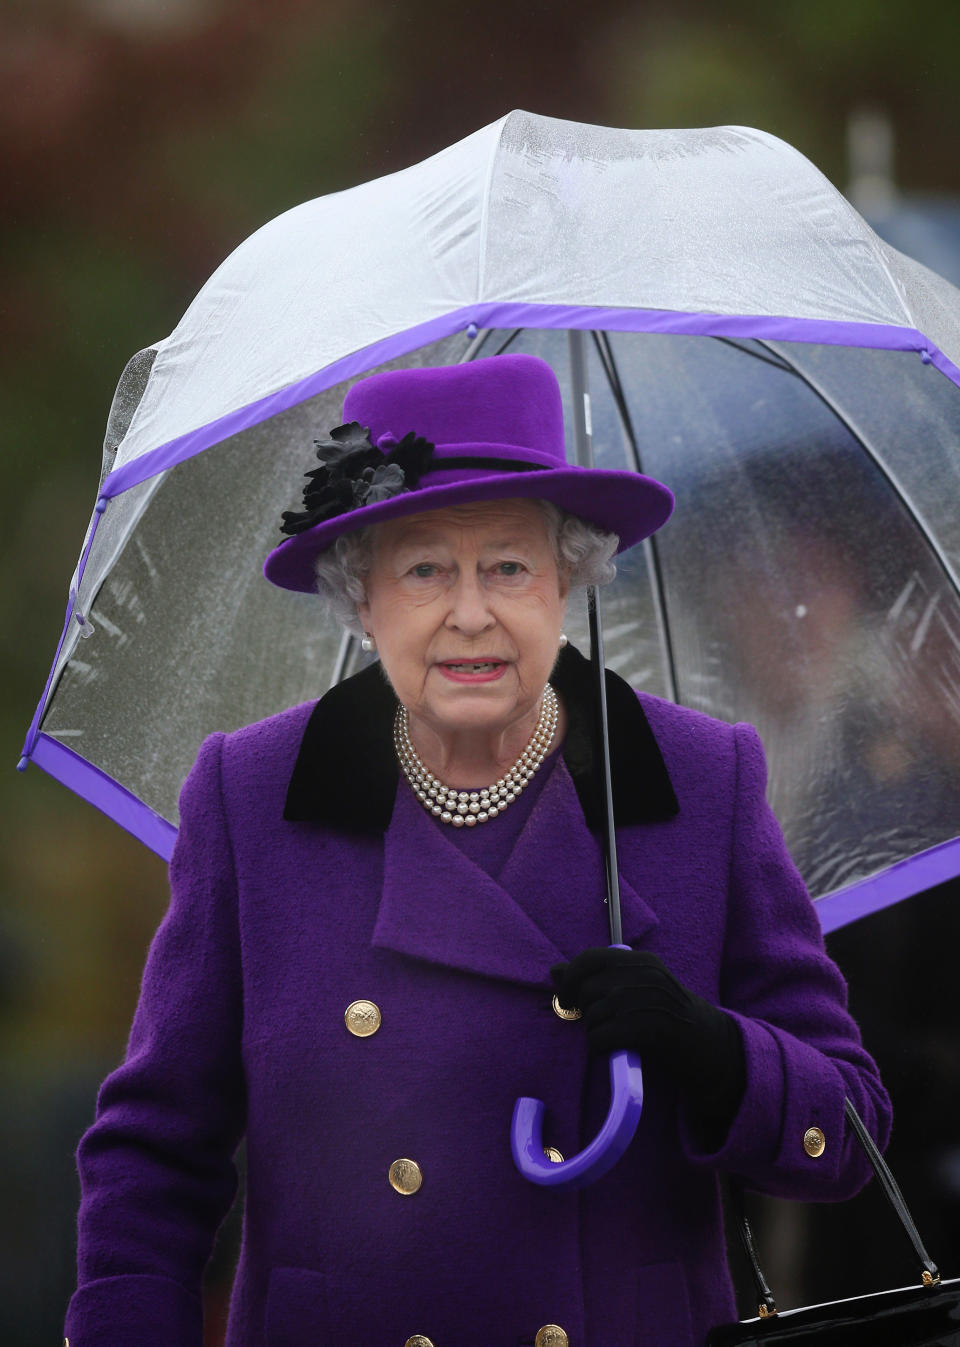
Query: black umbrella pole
point(583, 445)
point(603, 732)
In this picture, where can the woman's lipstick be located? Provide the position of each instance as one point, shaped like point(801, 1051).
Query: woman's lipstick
point(473, 670)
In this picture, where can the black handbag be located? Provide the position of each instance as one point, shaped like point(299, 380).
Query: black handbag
point(927, 1315)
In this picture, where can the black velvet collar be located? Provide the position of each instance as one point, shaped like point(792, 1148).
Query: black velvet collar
point(346, 770)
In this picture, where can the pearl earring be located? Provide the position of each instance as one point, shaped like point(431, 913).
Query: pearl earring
point(563, 640)
point(368, 645)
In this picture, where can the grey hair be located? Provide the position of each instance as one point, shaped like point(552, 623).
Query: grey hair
point(583, 552)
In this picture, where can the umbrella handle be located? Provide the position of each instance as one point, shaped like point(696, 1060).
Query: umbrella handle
point(626, 1103)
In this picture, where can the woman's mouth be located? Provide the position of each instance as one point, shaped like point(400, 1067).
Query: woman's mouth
point(472, 671)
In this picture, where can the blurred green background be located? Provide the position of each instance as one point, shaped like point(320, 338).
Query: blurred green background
point(141, 141)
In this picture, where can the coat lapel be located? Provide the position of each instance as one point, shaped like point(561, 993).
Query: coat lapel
point(556, 873)
point(438, 905)
point(546, 906)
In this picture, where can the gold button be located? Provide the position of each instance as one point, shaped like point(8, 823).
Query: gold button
point(552, 1335)
point(418, 1340)
point(405, 1177)
point(564, 1014)
point(553, 1155)
point(362, 1018)
point(814, 1142)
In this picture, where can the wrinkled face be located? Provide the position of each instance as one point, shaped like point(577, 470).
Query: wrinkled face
point(466, 605)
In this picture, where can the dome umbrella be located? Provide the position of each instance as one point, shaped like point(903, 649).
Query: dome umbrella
point(749, 341)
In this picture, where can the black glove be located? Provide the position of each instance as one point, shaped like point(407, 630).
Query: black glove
point(630, 999)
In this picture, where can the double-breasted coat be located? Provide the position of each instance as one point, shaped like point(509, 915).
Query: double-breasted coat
point(307, 877)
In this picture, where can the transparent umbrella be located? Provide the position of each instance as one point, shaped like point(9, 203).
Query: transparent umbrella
point(750, 341)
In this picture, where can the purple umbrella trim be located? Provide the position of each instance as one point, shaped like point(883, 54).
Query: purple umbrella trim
point(819, 331)
point(105, 794)
point(904, 879)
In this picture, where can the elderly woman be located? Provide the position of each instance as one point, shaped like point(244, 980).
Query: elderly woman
point(387, 922)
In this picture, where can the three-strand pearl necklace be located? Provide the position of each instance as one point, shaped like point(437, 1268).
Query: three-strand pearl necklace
point(467, 808)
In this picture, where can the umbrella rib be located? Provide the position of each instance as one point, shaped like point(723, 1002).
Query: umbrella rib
point(474, 348)
point(344, 658)
point(775, 359)
point(509, 342)
point(870, 451)
point(583, 449)
point(605, 352)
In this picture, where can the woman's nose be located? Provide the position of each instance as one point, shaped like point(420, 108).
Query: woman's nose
point(469, 606)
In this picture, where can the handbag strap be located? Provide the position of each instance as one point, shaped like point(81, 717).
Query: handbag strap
point(766, 1305)
point(929, 1275)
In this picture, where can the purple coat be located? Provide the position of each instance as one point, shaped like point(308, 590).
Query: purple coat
point(305, 878)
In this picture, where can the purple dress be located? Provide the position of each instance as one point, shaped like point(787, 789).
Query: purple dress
point(306, 877)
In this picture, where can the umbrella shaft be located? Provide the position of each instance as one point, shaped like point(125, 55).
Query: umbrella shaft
point(609, 834)
point(583, 445)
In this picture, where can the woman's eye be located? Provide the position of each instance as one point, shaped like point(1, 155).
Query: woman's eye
point(509, 568)
point(425, 570)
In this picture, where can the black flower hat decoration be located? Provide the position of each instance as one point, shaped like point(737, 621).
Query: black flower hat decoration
point(355, 473)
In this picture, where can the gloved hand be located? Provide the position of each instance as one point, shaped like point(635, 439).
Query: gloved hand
point(630, 999)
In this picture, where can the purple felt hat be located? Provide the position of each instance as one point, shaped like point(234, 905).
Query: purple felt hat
point(423, 439)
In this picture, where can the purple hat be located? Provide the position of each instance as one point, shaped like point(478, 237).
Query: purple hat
point(423, 439)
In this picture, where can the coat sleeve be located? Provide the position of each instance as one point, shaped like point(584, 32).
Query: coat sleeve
point(803, 1051)
point(156, 1166)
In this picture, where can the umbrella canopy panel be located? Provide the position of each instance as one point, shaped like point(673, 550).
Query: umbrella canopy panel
point(813, 580)
point(185, 634)
point(807, 582)
point(720, 223)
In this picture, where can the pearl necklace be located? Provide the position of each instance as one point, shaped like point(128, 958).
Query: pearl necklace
point(465, 808)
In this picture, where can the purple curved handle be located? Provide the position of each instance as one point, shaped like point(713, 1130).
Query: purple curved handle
point(626, 1105)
